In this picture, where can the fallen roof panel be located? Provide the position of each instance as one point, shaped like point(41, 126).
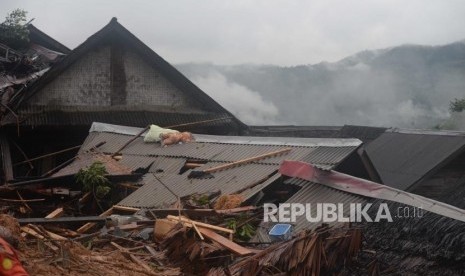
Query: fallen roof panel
point(154, 194)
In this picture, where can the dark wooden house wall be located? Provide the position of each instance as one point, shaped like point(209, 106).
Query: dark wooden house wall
point(113, 75)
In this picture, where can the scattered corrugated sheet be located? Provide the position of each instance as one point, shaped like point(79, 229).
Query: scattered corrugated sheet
point(403, 157)
point(313, 193)
point(154, 194)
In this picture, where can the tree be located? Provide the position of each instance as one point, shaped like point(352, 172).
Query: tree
point(14, 31)
point(457, 105)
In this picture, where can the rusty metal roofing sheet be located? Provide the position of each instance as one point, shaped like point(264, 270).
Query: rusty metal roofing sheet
point(154, 194)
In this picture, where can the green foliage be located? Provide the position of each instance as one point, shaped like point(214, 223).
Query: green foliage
point(457, 105)
point(93, 179)
point(245, 232)
point(13, 31)
point(202, 200)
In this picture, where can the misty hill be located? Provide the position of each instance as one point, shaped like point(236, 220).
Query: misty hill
point(405, 86)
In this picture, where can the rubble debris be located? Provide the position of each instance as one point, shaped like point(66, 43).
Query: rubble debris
point(322, 252)
point(192, 255)
point(226, 202)
point(11, 224)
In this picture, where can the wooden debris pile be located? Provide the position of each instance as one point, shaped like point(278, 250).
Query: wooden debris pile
point(50, 248)
point(323, 252)
point(192, 254)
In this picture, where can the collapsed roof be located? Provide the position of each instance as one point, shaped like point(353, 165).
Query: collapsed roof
point(164, 164)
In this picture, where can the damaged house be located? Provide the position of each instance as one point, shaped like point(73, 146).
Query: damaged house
point(96, 100)
point(112, 77)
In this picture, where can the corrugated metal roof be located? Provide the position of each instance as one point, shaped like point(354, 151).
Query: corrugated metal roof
point(323, 156)
point(403, 157)
point(84, 160)
point(154, 194)
point(318, 193)
point(312, 193)
point(216, 150)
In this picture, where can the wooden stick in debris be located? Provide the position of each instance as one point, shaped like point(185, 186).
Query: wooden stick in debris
point(130, 141)
point(22, 200)
point(248, 160)
point(85, 197)
point(36, 235)
point(196, 229)
point(86, 227)
point(136, 260)
point(236, 210)
point(236, 248)
point(125, 208)
point(58, 212)
point(200, 224)
point(25, 203)
point(46, 155)
point(200, 174)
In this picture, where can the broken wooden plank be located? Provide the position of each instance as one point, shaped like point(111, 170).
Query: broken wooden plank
point(36, 235)
point(206, 173)
point(85, 197)
point(55, 236)
point(22, 200)
point(162, 227)
point(58, 212)
point(86, 227)
point(63, 231)
point(196, 229)
point(236, 210)
point(204, 225)
point(234, 247)
point(125, 208)
point(25, 203)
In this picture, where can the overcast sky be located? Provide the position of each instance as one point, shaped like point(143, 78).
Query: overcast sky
point(282, 32)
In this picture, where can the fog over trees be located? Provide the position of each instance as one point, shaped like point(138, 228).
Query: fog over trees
point(405, 86)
